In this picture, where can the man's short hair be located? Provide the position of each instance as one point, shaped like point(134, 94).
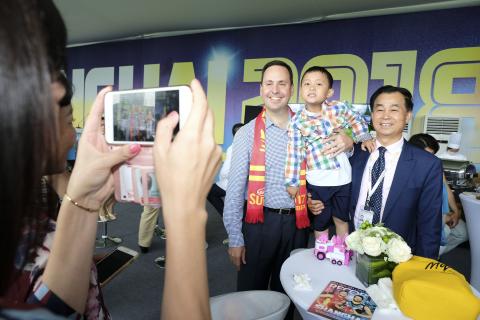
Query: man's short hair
point(277, 63)
point(423, 141)
point(391, 89)
point(321, 70)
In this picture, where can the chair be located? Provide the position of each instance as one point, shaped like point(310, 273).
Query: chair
point(250, 305)
point(105, 240)
point(471, 208)
point(105, 216)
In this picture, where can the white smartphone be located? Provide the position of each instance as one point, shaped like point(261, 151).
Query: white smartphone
point(113, 263)
point(131, 116)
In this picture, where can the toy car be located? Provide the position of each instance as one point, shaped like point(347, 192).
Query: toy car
point(334, 249)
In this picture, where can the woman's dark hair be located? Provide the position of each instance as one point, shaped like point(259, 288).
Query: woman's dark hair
point(28, 125)
point(55, 35)
point(67, 98)
point(423, 141)
point(391, 89)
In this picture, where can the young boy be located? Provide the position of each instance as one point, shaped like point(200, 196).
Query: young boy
point(328, 178)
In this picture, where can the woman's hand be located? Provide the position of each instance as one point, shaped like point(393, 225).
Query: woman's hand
point(185, 167)
point(68, 268)
point(91, 181)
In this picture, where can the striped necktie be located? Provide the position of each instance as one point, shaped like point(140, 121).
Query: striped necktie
point(375, 202)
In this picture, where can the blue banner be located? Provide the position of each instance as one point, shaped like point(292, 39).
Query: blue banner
point(434, 54)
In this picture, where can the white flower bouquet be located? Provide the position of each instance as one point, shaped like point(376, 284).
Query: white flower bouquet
point(377, 240)
point(379, 251)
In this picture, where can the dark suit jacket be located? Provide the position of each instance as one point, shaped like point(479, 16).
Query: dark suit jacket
point(414, 204)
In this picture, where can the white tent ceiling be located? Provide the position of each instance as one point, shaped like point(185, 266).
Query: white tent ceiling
point(108, 20)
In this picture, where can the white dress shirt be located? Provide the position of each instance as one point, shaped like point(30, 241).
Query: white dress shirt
point(225, 170)
point(391, 159)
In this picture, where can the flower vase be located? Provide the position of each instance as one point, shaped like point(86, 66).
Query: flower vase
point(369, 269)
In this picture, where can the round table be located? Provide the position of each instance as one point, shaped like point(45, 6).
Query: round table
point(321, 273)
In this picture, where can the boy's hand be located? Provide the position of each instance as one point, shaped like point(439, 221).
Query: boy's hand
point(292, 191)
point(369, 145)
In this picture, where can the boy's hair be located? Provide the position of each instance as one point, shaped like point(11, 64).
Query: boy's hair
point(321, 70)
point(391, 89)
point(423, 141)
point(277, 63)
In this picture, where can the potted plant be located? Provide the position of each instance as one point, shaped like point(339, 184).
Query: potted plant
point(379, 250)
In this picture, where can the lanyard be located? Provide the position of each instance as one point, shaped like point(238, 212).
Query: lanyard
point(371, 189)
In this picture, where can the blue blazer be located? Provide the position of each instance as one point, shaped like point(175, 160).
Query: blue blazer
point(414, 205)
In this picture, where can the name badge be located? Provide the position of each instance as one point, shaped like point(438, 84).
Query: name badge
point(364, 215)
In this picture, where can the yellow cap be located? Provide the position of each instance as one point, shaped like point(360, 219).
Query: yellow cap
point(428, 289)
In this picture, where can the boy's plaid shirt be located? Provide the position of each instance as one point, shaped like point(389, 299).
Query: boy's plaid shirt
point(306, 134)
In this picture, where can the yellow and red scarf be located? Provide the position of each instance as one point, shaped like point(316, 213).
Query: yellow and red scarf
point(256, 181)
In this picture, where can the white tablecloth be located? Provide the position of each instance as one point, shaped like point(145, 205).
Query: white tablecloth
point(321, 273)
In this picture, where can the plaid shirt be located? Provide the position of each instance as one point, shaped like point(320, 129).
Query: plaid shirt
point(306, 134)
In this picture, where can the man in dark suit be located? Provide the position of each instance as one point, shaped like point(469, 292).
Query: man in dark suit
point(397, 184)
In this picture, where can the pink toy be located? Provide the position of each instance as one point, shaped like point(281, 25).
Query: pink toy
point(335, 250)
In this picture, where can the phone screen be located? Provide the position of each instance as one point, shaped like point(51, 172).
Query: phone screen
point(135, 114)
point(111, 264)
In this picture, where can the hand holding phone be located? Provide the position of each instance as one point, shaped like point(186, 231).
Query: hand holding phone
point(191, 159)
point(131, 116)
point(185, 168)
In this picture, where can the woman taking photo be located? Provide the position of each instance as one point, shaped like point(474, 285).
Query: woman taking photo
point(32, 52)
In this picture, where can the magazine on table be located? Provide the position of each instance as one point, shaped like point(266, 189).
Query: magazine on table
point(340, 301)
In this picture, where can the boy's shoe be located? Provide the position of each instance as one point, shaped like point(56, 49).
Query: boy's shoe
point(144, 249)
point(160, 262)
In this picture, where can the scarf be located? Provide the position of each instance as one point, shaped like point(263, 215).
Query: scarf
point(256, 181)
